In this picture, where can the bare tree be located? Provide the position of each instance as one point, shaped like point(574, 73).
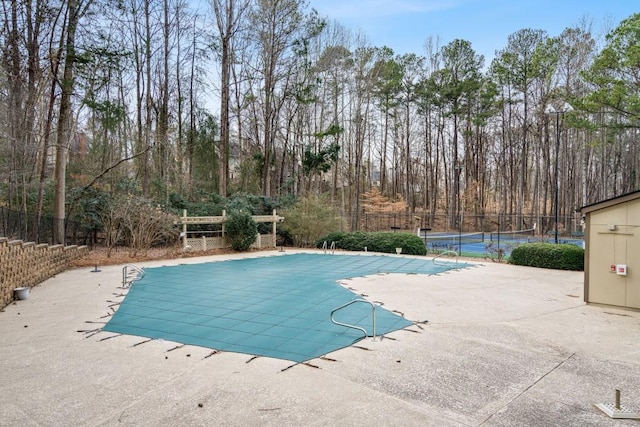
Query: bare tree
point(26, 26)
point(280, 29)
point(229, 15)
point(75, 10)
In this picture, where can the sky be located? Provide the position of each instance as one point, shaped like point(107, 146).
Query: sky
point(404, 25)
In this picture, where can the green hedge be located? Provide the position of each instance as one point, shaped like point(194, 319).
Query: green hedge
point(549, 255)
point(241, 230)
point(385, 242)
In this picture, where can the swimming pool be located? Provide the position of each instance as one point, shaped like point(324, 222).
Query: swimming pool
point(276, 306)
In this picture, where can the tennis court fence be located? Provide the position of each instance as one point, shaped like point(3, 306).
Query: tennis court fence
point(494, 225)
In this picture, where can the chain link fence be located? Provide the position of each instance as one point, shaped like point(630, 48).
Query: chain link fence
point(544, 226)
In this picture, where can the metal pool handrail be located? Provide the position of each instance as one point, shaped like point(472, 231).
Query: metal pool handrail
point(364, 331)
point(126, 270)
point(443, 254)
point(333, 247)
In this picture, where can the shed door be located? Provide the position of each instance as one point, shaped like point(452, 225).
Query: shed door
point(606, 249)
point(633, 276)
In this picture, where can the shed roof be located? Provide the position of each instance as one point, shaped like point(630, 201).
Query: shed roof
point(611, 202)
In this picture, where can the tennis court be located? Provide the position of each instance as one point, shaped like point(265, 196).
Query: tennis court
point(484, 243)
point(276, 306)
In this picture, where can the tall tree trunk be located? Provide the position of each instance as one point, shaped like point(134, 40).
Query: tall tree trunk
point(146, 130)
point(192, 117)
point(75, 11)
point(163, 116)
point(47, 138)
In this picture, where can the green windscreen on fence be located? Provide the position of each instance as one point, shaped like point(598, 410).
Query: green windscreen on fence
point(275, 306)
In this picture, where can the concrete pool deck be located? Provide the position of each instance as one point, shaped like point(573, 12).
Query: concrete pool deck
point(504, 346)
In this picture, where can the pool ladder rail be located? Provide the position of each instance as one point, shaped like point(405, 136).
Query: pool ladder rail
point(332, 247)
point(445, 253)
point(361, 329)
point(131, 273)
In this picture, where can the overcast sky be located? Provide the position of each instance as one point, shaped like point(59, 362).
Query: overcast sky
point(404, 25)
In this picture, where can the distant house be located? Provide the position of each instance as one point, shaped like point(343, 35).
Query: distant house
point(612, 256)
point(235, 159)
point(374, 176)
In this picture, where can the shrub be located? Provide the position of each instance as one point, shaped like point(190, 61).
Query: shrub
point(136, 222)
point(284, 238)
point(309, 219)
point(385, 242)
point(498, 253)
point(336, 236)
point(241, 230)
point(549, 255)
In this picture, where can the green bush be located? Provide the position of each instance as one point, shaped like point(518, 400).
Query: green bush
point(241, 230)
point(309, 219)
point(385, 242)
point(549, 255)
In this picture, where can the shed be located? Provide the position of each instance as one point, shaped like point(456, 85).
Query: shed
point(612, 251)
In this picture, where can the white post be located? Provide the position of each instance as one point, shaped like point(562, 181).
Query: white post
point(275, 220)
point(184, 228)
point(224, 219)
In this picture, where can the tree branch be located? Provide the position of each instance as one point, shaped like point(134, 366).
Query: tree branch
point(110, 168)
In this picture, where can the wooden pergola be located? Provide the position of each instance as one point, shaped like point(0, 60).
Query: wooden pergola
point(217, 239)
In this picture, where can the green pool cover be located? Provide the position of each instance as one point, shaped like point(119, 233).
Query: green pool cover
point(275, 306)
